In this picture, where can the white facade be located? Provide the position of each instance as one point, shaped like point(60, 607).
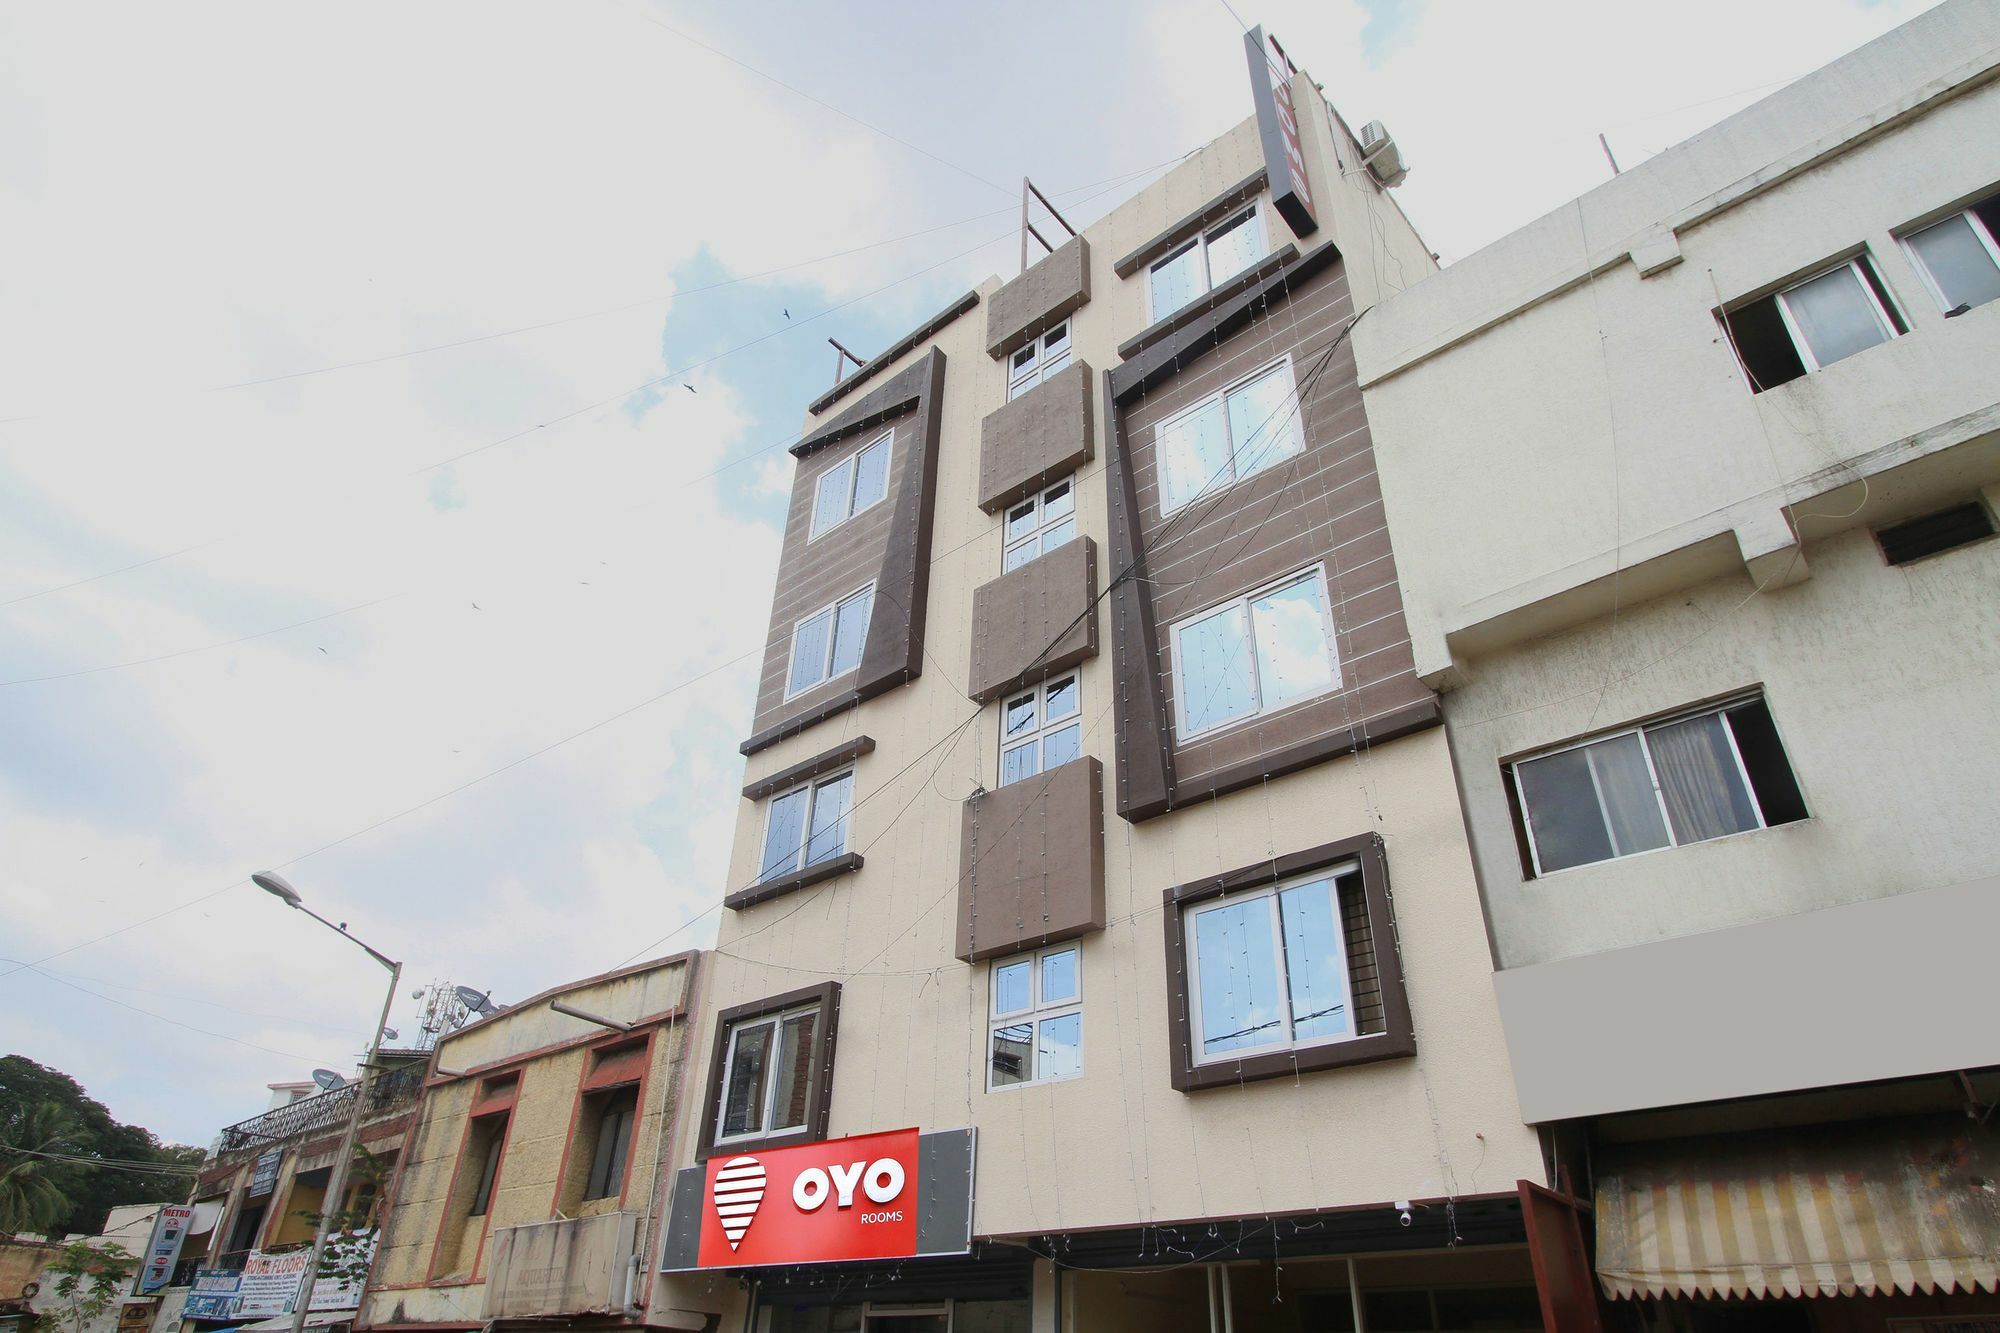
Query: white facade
point(1598, 522)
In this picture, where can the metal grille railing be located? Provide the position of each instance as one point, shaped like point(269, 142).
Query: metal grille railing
point(392, 1090)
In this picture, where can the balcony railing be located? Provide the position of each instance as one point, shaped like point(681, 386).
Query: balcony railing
point(392, 1091)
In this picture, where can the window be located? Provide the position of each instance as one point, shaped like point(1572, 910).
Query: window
point(1207, 261)
point(1959, 258)
point(1241, 431)
point(1270, 970)
point(828, 642)
point(1038, 525)
point(855, 483)
point(1812, 324)
point(807, 825)
point(612, 1114)
point(1934, 534)
point(1040, 730)
point(1263, 652)
point(1685, 779)
point(1037, 1019)
point(1037, 361)
point(483, 1147)
point(768, 1075)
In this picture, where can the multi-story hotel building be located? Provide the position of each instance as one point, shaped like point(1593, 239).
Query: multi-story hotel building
point(1100, 904)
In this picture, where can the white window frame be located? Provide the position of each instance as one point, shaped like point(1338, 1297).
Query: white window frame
point(1979, 230)
point(1799, 342)
point(1043, 727)
point(1034, 538)
point(887, 441)
point(1181, 727)
point(1037, 1012)
point(776, 1023)
point(827, 675)
point(1192, 946)
point(811, 786)
point(1040, 365)
point(1200, 241)
point(1640, 729)
point(1293, 417)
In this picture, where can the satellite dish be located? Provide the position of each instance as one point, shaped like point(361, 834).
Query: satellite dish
point(328, 1080)
point(478, 1002)
point(392, 1034)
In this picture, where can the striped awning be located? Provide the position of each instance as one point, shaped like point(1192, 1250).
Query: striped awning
point(1906, 1205)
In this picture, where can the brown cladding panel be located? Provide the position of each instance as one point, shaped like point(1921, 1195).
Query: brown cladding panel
point(1320, 509)
point(1031, 862)
point(1037, 439)
point(1035, 620)
point(1053, 286)
point(887, 545)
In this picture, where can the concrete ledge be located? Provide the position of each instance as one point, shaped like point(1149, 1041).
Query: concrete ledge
point(765, 890)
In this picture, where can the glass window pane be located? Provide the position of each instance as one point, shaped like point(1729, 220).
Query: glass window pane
point(1213, 673)
point(1012, 1045)
point(1024, 360)
point(1263, 421)
point(1294, 658)
point(1059, 747)
point(851, 631)
point(1562, 810)
point(1019, 762)
point(1056, 339)
point(1958, 262)
point(1835, 316)
point(1176, 281)
point(809, 652)
point(1315, 963)
point(871, 476)
point(1021, 520)
point(1193, 456)
point(743, 1100)
point(1059, 535)
point(1626, 789)
point(1013, 987)
point(1019, 555)
point(794, 1087)
point(1019, 718)
point(1232, 247)
point(1700, 779)
point(829, 819)
point(1240, 1005)
point(1062, 698)
point(1059, 976)
point(783, 832)
point(1057, 501)
point(830, 498)
point(1059, 1047)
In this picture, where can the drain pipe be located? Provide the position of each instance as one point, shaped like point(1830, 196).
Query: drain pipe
point(1354, 1295)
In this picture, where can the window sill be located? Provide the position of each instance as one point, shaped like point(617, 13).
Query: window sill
point(1289, 1064)
point(766, 890)
point(1207, 301)
point(762, 1143)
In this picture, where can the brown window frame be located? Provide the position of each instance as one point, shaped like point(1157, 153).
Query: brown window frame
point(1398, 1037)
point(819, 1108)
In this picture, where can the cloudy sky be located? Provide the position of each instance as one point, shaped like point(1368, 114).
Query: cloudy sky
point(381, 384)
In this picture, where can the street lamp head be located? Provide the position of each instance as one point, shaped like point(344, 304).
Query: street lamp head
point(271, 882)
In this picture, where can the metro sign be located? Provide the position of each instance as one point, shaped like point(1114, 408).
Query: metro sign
point(846, 1199)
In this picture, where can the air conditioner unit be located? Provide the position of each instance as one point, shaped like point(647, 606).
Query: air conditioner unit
point(1381, 156)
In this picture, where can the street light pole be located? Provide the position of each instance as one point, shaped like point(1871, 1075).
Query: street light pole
point(336, 1182)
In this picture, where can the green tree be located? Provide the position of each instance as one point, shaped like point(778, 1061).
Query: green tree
point(88, 1280)
point(92, 1191)
point(34, 1187)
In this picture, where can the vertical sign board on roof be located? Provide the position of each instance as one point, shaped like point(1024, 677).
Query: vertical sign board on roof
point(163, 1250)
point(1278, 129)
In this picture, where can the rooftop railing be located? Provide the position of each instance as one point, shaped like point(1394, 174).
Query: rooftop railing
point(393, 1090)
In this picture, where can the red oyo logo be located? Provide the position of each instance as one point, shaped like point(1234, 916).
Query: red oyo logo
point(853, 1198)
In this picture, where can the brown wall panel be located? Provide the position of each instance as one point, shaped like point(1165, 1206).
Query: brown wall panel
point(1031, 862)
point(1052, 287)
point(1036, 439)
point(1035, 620)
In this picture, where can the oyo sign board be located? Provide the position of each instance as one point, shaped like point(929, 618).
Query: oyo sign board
point(894, 1195)
point(1278, 131)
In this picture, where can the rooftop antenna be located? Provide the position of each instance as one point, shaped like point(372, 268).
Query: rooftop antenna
point(841, 358)
point(1605, 144)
